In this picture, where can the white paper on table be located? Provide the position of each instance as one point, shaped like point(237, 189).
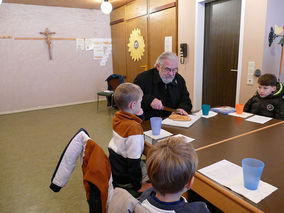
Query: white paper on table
point(163, 134)
point(171, 122)
point(187, 139)
point(231, 176)
point(259, 119)
point(243, 115)
point(210, 114)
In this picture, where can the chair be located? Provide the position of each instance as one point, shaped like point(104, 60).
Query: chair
point(96, 170)
point(113, 82)
point(123, 202)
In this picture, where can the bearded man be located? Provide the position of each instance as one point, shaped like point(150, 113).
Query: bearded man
point(163, 86)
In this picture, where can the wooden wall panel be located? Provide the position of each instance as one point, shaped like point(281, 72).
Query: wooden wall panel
point(154, 28)
point(135, 9)
point(133, 68)
point(119, 48)
point(161, 24)
point(157, 3)
point(117, 14)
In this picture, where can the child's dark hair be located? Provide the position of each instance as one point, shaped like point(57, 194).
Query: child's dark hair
point(267, 80)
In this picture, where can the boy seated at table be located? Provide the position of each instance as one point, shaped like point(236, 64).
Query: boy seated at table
point(127, 143)
point(171, 165)
point(269, 98)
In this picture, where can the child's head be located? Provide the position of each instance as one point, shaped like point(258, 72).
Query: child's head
point(266, 85)
point(128, 97)
point(171, 165)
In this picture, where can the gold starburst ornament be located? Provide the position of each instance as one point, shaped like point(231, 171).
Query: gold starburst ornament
point(136, 45)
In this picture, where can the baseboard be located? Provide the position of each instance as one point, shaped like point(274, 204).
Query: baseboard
point(46, 107)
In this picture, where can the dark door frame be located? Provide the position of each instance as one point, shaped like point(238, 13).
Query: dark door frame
point(199, 44)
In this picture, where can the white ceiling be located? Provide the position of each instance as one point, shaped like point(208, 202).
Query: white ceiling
point(87, 4)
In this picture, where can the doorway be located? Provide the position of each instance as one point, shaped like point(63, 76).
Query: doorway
point(199, 53)
point(221, 42)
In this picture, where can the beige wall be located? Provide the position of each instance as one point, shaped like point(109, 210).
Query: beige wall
point(254, 30)
point(186, 25)
point(28, 79)
point(253, 41)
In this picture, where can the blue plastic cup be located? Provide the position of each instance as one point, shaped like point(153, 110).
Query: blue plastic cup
point(205, 109)
point(252, 169)
point(156, 123)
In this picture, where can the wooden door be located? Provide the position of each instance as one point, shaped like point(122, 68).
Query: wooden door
point(161, 25)
point(118, 32)
point(221, 46)
point(134, 66)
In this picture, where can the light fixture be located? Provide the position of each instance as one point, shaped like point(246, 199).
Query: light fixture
point(106, 7)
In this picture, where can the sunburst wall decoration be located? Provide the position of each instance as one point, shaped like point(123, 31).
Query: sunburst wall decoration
point(136, 45)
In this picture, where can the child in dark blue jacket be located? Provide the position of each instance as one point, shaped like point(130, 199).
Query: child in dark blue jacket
point(171, 166)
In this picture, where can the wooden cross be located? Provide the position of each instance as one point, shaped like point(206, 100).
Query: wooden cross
point(48, 40)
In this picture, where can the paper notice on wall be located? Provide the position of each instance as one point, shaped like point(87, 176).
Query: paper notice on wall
point(80, 44)
point(101, 49)
point(89, 45)
point(168, 44)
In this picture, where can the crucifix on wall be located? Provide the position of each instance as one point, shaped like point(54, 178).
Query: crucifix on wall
point(48, 40)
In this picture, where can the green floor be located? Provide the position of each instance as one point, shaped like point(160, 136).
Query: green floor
point(31, 144)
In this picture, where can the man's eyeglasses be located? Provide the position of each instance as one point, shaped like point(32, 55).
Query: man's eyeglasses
point(168, 70)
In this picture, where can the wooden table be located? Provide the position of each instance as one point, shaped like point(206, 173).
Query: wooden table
point(234, 138)
point(207, 132)
point(266, 145)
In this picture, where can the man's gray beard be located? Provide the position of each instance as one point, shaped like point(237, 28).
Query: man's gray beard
point(167, 81)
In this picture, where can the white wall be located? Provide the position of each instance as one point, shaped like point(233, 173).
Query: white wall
point(28, 79)
point(272, 55)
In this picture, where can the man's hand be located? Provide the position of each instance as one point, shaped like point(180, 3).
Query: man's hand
point(157, 104)
point(182, 111)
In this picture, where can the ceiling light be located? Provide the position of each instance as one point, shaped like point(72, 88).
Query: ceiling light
point(106, 7)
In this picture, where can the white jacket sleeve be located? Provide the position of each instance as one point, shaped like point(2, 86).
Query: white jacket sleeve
point(68, 159)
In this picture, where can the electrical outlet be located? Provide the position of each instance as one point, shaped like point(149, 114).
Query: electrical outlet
point(250, 79)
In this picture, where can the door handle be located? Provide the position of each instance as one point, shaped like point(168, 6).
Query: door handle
point(144, 66)
point(233, 70)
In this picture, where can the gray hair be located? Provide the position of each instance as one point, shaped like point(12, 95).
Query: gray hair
point(164, 56)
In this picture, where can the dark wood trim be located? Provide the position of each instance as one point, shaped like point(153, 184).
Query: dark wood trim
point(128, 1)
point(117, 21)
point(163, 7)
point(136, 17)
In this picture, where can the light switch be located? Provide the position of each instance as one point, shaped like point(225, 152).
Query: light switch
point(251, 68)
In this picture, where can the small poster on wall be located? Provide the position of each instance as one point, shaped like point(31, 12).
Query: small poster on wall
point(101, 48)
point(168, 44)
point(80, 44)
point(89, 44)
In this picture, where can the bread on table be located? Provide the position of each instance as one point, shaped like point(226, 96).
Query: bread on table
point(178, 117)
